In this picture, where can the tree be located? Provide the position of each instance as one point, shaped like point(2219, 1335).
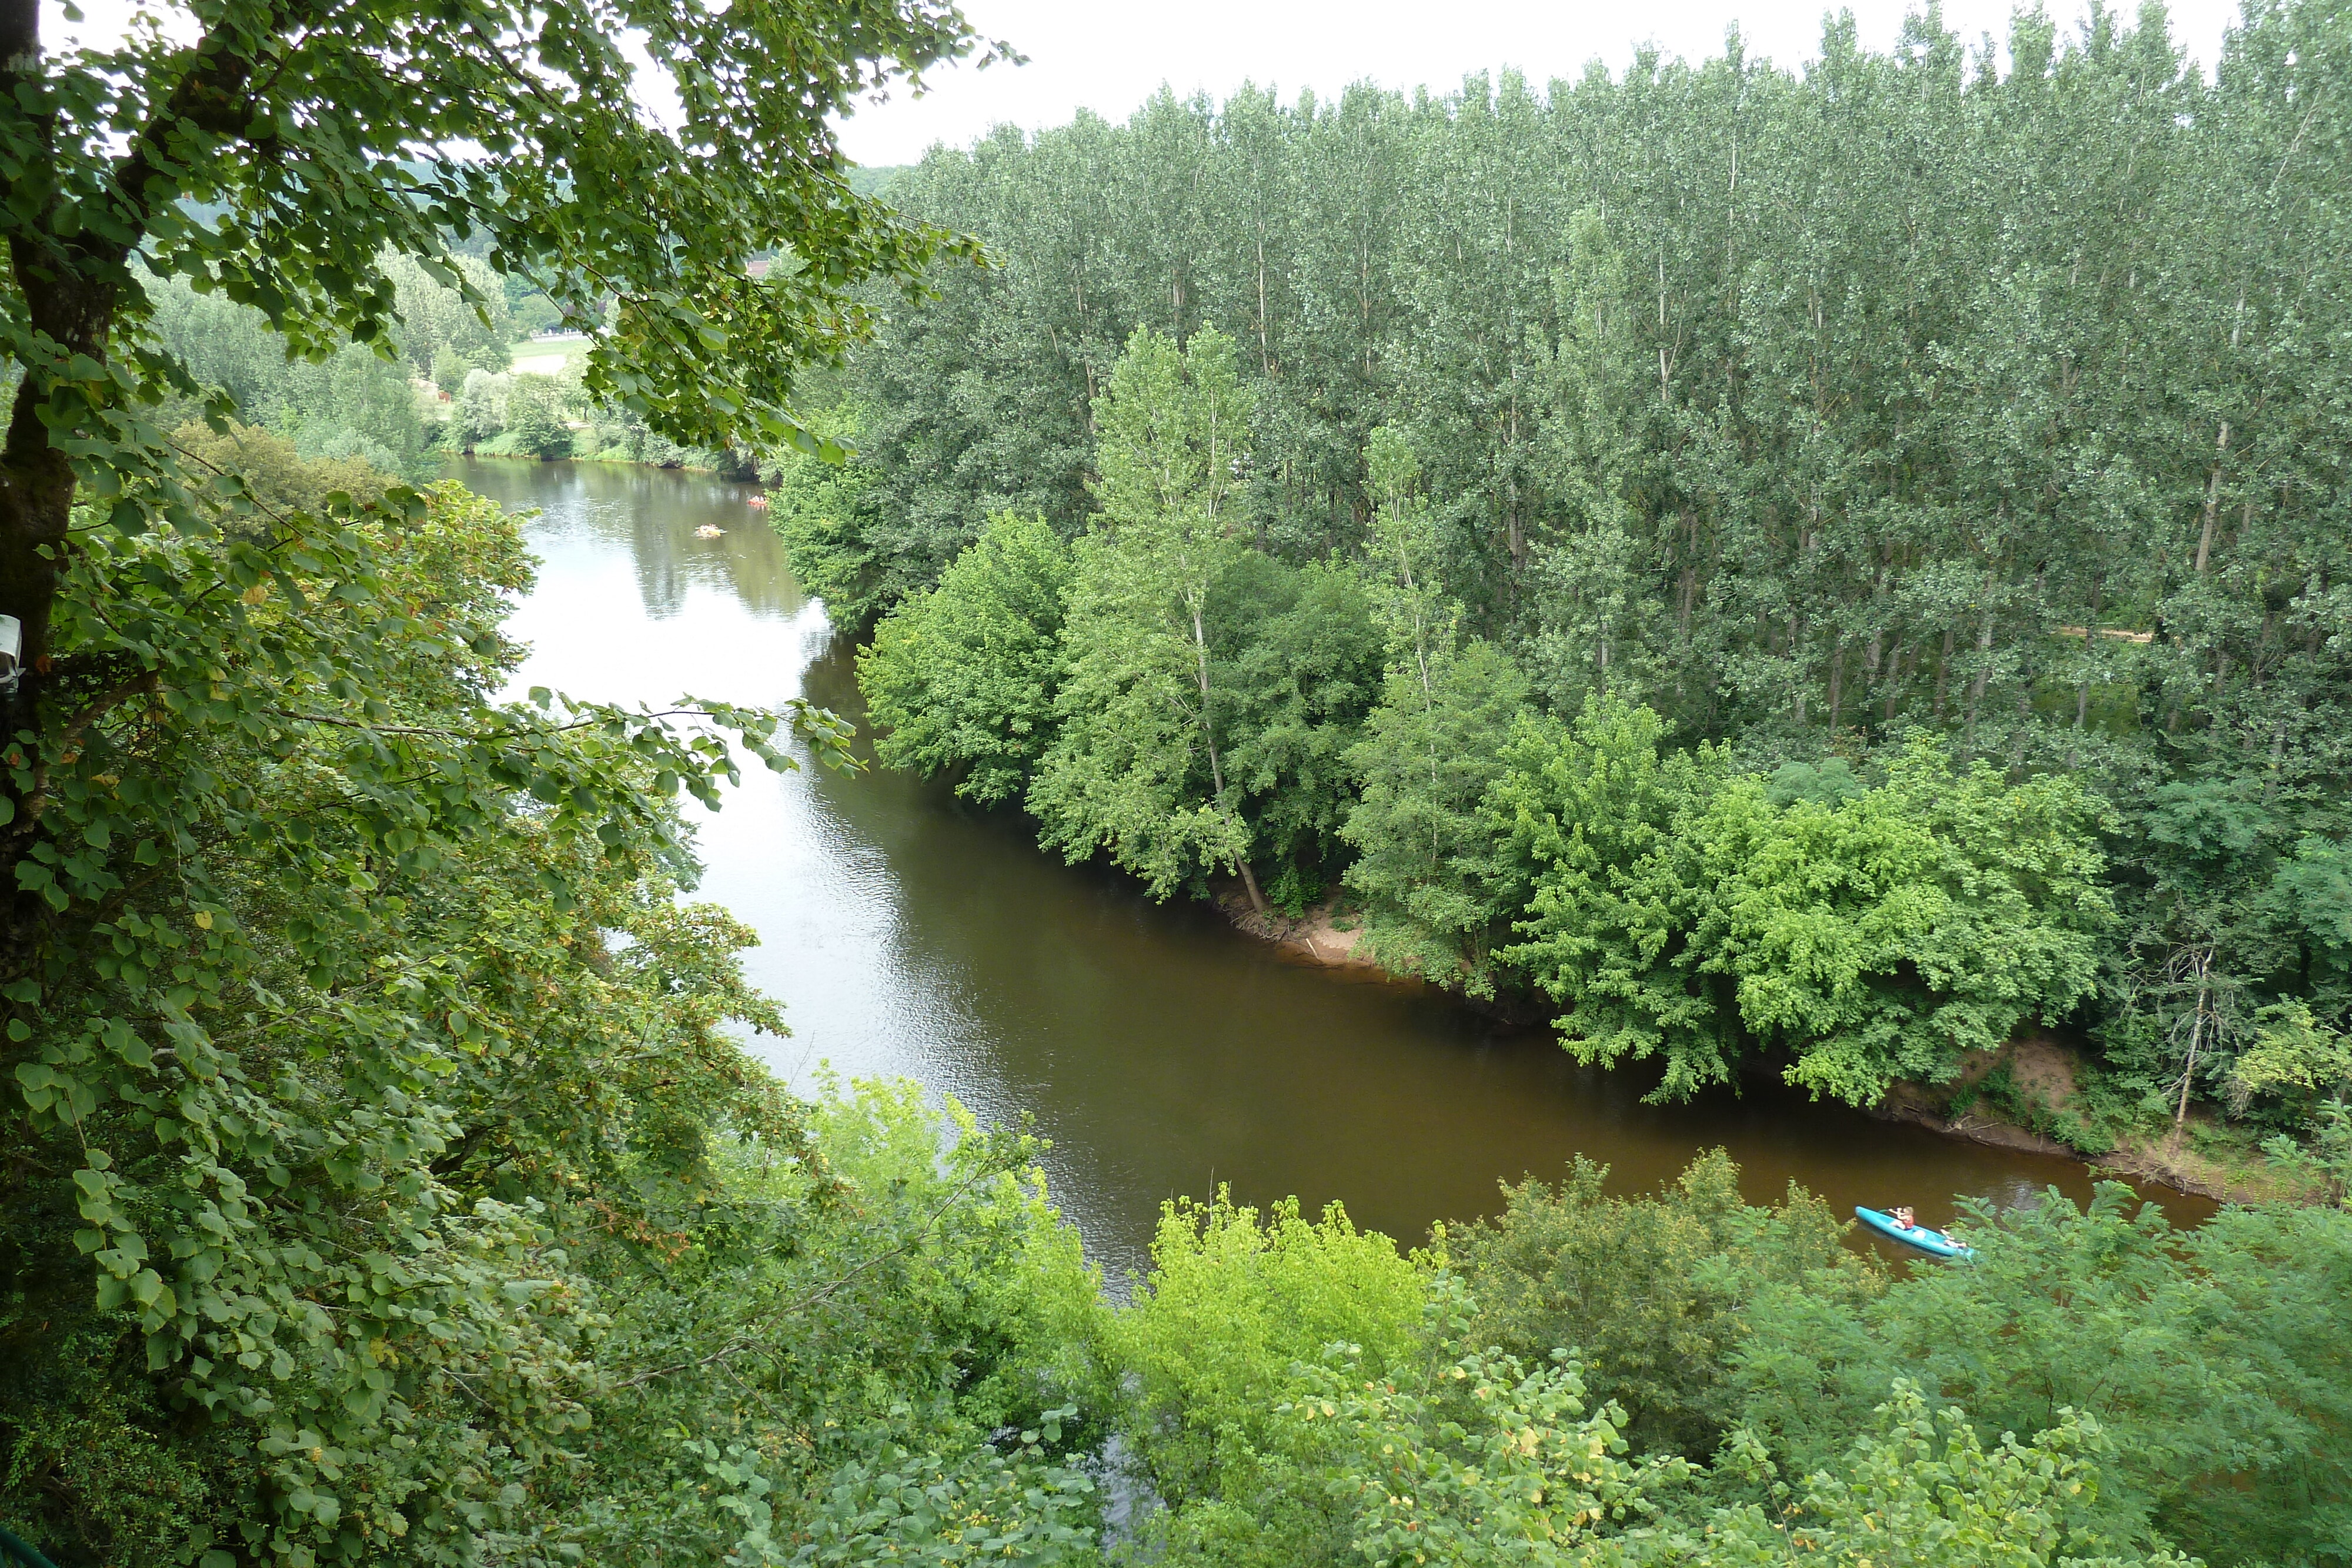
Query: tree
point(961, 678)
point(1887, 936)
point(1866, 933)
point(1600, 823)
point(1922, 1486)
point(534, 422)
point(292, 1128)
point(275, 474)
point(313, 1041)
point(828, 515)
point(2213, 1358)
point(1239, 1299)
point(1136, 768)
point(1425, 867)
point(1297, 660)
point(437, 319)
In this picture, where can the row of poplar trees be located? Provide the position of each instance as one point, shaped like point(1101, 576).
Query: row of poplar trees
point(1996, 393)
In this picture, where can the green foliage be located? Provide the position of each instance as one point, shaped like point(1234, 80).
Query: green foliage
point(2232, 979)
point(1135, 769)
point(837, 541)
point(1921, 1489)
point(962, 677)
point(2323, 1167)
point(2144, 1386)
point(908, 1506)
point(272, 1160)
point(438, 320)
point(530, 421)
point(1868, 935)
point(2215, 1359)
point(1926, 918)
point(823, 1358)
point(1296, 666)
point(353, 402)
point(1599, 823)
point(1431, 748)
point(276, 476)
point(1437, 897)
point(1236, 1304)
point(1207, 695)
point(1474, 1458)
point(1650, 1293)
point(385, 1179)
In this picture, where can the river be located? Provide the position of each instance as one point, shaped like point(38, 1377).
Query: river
point(1160, 1051)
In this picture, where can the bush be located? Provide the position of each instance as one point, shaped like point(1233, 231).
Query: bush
point(1649, 1293)
point(1235, 1305)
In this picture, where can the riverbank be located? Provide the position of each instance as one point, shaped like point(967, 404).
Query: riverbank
point(2021, 1098)
point(2025, 1096)
point(1323, 935)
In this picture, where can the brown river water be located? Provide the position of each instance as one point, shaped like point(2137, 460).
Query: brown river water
point(1160, 1051)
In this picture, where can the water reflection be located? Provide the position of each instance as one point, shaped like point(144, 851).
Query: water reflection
point(1160, 1050)
point(652, 514)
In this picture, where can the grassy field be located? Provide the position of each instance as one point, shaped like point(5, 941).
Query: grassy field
point(548, 356)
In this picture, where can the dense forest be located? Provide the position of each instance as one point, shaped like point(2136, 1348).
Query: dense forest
point(384, 1177)
point(1827, 566)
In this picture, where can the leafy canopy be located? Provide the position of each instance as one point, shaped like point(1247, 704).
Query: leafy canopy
point(347, 1009)
point(963, 676)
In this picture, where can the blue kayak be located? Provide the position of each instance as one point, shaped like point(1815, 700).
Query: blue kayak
point(1918, 1236)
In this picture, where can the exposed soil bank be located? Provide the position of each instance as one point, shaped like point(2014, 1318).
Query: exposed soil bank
point(2042, 1071)
point(1322, 936)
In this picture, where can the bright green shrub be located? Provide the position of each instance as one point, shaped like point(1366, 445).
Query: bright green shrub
point(1885, 937)
point(1923, 1488)
point(1474, 1457)
point(1596, 821)
point(1234, 1304)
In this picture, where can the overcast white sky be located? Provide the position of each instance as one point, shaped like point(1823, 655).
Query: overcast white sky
point(1109, 56)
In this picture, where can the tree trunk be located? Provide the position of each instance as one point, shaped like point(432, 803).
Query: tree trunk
point(1837, 680)
point(1797, 670)
point(2204, 967)
point(1264, 340)
point(68, 267)
point(1983, 673)
point(2212, 498)
point(1216, 764)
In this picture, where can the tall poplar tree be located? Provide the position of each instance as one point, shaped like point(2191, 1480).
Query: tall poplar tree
point(1137, 768)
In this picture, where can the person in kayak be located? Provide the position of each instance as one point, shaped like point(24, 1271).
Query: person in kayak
point(1901, 1214)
